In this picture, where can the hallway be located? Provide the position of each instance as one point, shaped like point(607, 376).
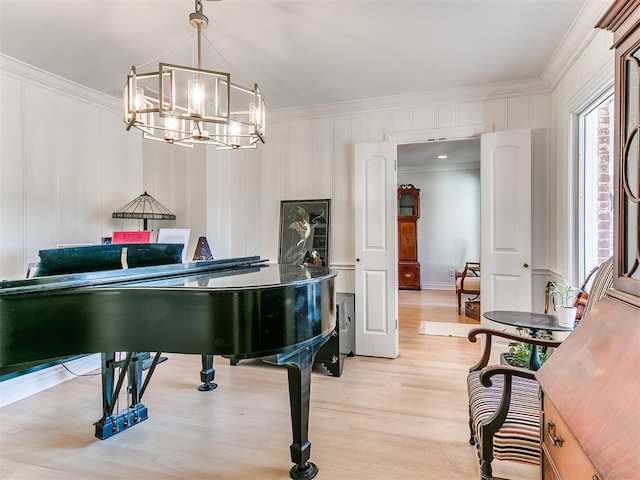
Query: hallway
point(432, 306)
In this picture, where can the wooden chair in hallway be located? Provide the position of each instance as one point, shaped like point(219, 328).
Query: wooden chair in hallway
point(504, 408)
point(467, 281)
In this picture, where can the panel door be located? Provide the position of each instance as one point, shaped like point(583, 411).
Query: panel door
point(376, 250)
point(505, 172)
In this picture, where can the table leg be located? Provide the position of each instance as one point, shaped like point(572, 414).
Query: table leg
point(534, 359)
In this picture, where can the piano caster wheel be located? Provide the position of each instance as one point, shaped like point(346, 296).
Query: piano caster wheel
point(307, 472)
point(206, 387)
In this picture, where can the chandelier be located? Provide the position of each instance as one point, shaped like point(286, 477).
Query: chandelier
point(184, 105)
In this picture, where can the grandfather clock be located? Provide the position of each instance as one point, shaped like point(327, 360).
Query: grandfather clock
point(408, 214)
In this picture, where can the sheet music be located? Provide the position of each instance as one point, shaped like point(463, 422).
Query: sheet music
point(175, 235)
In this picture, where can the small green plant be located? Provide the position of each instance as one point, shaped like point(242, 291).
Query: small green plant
point(520, 352)
point(564, 293)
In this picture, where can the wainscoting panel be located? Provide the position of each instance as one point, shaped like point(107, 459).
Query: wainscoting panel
point(67, 163)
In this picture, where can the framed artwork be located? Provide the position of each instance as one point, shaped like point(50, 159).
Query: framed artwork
point(304, 232)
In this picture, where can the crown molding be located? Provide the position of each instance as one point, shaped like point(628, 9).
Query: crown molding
point(575, 41)
point(529, 86)
point(28, 73)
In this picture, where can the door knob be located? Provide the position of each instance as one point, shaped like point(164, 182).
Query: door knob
point(526, 265)
point(357, 259)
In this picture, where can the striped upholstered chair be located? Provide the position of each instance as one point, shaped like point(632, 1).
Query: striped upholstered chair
point(504, 409)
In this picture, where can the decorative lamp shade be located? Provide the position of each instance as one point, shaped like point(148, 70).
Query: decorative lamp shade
point(144, 207)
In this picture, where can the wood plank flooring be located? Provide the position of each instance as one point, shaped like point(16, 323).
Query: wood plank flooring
point(384, 419)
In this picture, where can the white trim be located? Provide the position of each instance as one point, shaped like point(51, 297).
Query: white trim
point(602, 82)
point(24, 386)
point(342, 266)
point(439, 286)
point(578, 36)
point(439, 134)
point(530, 86)
point(600, 86)
point(35, 76)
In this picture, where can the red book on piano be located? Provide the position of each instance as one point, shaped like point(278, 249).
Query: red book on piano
point(131, 237)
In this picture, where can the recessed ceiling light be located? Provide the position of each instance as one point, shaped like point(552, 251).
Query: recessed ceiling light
point(442, 156)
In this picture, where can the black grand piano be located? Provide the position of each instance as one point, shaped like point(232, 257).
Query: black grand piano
point(239, 308)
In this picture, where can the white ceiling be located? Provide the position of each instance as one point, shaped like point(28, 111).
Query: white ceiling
point(425, 155)
point(300, 52)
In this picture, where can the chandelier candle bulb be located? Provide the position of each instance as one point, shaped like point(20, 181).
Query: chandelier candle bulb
point(197, 99)
point(171, 126)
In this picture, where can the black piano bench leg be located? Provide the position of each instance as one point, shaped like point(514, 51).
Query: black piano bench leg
point(207, 374)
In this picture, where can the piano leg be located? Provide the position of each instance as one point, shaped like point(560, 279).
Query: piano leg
point(112, 423)
point(207, 374)
point(299, 365)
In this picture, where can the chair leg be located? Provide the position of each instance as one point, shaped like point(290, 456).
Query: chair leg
point(459, 300)
point(485, 470)
point(472, 432)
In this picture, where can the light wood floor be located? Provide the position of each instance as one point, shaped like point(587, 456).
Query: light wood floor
point(382, 420)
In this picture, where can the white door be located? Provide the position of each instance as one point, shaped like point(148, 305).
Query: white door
point(505, 172)
point(376, 249)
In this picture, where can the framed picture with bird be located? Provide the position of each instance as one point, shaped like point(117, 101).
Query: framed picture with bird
point(304, 232)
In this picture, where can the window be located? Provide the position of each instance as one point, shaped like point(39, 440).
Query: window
point(596, 184)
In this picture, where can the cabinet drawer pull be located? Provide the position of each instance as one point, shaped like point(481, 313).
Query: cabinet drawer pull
point(551, 431)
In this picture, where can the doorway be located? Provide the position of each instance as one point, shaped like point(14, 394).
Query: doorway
point(448, 232)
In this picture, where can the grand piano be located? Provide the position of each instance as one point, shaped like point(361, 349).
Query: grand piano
point(238, 308)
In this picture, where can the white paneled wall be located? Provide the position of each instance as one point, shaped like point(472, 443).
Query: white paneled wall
point(66, 163)
point(309, 155)
point(176, 177)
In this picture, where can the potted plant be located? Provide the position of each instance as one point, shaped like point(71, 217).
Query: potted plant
point(519, 353)
point(564, 294)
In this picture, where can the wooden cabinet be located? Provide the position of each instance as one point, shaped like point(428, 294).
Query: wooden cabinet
point(408, 214)
point(590, 389)
point(563, 457)
point(624, 20)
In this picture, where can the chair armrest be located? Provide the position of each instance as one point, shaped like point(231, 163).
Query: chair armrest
point(473, 267)
point(493, 423)
point(487, 372)
point(491, 332)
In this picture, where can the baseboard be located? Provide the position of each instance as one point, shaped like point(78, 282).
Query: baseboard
point(439, 286)
point(23, 386)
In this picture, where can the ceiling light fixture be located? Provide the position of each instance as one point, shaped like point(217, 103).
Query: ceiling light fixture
point(190, 105)
point(442, 156)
